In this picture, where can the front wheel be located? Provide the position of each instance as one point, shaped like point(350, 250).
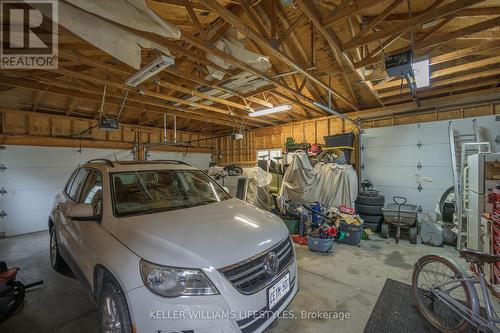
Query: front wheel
point(113, 311)
point(56, 261)
point(430, 271)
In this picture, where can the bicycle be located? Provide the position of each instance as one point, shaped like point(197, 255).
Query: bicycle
point(446, 295)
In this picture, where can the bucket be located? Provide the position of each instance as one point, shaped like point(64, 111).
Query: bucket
point(319, 244)
point(353, 232)
point(292, 225)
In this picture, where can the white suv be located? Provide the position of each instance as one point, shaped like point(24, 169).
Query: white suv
point(163, 248)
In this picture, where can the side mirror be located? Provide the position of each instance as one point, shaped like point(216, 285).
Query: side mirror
point(81, 212)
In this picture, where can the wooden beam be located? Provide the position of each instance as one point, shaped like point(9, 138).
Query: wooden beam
point(194, 18)
point(464, 52)
point(373, 23)
point(252, 34)
point(468, 12)
point(392, 98)
point(436, 40)
point(283, 36)
point(343, 12)
point(334, 42)
point(426, 16)
point(444, 82)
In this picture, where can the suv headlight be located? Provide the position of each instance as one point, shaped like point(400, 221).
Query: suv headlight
point(172, 282)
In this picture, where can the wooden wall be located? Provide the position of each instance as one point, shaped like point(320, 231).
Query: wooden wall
point(312, 131)
point(37, 129)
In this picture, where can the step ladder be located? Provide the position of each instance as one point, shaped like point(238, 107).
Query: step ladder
point(461, 147)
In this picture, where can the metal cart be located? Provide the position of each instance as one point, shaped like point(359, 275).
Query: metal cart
point(400, 215)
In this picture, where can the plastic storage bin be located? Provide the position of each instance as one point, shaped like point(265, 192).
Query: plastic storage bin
point(319, 244)
point(340, 140)
point(353, 232)
point(292, 225)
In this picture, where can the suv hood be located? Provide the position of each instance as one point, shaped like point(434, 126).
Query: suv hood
point(213, 235)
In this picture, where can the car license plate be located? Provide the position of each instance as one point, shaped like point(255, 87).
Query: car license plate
point(278, 290)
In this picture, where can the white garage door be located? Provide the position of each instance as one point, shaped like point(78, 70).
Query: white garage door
point(32, 176)
point(399, 159)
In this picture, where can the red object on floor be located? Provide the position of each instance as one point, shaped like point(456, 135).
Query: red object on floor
point(302, 240)
point(347, 210)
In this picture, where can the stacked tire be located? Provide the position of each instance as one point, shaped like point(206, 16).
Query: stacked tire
point(369, 207)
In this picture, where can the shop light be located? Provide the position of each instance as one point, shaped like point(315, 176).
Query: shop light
point(150, 70)
point(270, 110)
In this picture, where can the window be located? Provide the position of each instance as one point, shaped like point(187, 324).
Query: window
point(268, 158)
point(92, 191)
point(151, 191)
point(77, 184)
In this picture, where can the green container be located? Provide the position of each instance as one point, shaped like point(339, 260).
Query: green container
point(292, 225)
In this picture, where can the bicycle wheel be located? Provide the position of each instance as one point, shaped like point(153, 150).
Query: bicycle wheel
point(429, 271)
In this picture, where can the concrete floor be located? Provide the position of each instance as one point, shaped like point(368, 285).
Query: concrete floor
point(347, 280)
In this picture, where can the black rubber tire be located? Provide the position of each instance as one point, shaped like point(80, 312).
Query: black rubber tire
point(413, 235)
point(423, 309)
point(369, 200)
point(56, 262)
point(384, 230)
point(375, 227)
point(368, 210)
point(111, 290)
point(372, 218)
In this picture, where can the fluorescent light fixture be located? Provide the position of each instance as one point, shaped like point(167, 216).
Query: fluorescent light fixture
point(421, 72)
point(150, 70)
point(270, 110)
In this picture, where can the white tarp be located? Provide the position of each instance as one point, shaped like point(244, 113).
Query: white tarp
point(332, 185)
point(237, 50)
point(112, 39)
point(258, 188)
point(131, 13)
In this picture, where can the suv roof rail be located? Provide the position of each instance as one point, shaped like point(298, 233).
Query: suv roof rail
point(103, 160)
point(170, 161)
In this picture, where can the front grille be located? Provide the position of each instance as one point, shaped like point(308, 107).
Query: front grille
point(249, 276)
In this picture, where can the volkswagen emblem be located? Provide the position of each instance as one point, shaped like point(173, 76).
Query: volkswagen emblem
point(271, 264)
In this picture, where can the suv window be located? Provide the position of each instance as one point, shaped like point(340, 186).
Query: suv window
point(146, 192)
point(77, 184)
point(92, 191)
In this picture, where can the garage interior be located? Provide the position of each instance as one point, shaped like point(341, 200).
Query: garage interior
point(371, 128)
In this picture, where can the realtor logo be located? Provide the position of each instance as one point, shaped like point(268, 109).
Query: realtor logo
point(29, 34)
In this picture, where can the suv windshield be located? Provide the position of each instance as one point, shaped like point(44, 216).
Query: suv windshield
point(145, 192)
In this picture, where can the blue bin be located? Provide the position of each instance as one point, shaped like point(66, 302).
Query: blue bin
point(319, 244)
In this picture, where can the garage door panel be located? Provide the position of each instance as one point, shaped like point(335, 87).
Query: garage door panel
point(391, 154)
point(20, 201)
point(32, 178)
point(409, 176)
point(25, 222)
point(36, 178)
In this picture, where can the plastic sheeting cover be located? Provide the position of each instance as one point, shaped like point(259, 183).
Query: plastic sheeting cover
point(131, 13)
point(112, 39)
point(332, 185)
point(237, 50)
point(258, 187)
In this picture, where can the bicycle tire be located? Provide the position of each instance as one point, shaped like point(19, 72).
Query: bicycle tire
point(424, 310)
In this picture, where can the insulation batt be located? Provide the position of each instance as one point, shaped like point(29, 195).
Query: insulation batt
point(332, 185)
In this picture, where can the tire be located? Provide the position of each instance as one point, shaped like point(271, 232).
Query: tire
point(368, 210)
point(370, 200)
point(113, 314)
point(413, 235)
point(421, 295)
point(384, 231)
point(56, 261)
point(372, 218)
